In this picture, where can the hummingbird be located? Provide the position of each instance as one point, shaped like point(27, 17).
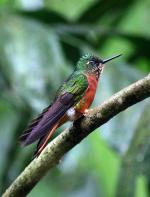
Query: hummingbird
point(72, 101)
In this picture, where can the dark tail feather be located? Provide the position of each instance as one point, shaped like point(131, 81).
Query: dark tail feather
point(23, 137)
point(33, 124)
point(50, 118)
point(44, 141)
point(39, 144)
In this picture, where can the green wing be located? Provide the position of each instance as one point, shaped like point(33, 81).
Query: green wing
point(75, 85)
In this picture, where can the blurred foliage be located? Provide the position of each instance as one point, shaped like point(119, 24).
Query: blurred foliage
point(136, 160)
point(40, 40)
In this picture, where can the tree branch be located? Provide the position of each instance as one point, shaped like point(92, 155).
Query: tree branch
point(72, 136)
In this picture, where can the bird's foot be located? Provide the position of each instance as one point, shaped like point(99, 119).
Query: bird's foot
point(88, 112)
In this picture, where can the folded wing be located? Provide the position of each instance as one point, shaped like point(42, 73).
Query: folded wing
point(69, 94)
point(50, 117)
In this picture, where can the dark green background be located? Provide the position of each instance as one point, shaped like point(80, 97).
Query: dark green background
point(40, 43)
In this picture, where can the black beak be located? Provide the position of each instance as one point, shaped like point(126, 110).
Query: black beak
point(111, 58)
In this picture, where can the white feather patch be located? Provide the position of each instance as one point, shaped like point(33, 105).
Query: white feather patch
point(71, 113)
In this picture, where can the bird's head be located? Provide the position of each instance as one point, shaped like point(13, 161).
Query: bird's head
point(92, 64)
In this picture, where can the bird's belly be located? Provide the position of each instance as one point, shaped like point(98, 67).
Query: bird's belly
point(75, 112)
point(79, 109)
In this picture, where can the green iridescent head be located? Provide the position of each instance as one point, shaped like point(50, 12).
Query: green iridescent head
point(92, 64)
point(88, 62)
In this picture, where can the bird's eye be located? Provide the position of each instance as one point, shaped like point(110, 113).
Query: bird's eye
point(94, 63)
point(90, 62)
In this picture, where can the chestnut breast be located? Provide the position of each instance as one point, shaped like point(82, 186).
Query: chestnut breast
point(88, 97)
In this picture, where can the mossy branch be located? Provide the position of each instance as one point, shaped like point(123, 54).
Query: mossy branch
point(52, 154)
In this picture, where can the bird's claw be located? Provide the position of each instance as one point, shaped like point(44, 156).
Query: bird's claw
point(88, 112)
